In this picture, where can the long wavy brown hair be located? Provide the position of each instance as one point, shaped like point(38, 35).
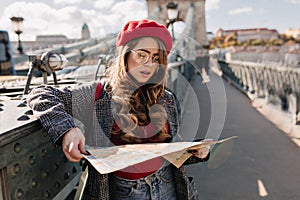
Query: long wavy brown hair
point(137, 105)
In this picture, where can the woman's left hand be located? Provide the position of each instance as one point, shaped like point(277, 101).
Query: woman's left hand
point(201, 152)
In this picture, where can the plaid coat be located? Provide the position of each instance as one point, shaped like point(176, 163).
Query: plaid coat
point(58, 110)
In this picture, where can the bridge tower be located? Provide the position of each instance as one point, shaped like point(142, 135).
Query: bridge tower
point(183, 5)
point(85, 32)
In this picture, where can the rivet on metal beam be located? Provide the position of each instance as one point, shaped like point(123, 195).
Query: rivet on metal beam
point(56, 165)
point(57, 184)
point(74, 170)
point(81, 162)
point(67, 175)
point(33, 183)
point(17, 148)
point(23, 104)
point(23, 118)
point(32, 160)
point(29, 112)
point(17, 168)
point(45, 173)
point(19, 193)
point(47, 194)
point(45, 134)
point(43, 153)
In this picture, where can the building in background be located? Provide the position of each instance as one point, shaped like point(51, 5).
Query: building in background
point(51, 39)
point(294, 32)
point(85, 32)
point(243, 35)
point(46, 41)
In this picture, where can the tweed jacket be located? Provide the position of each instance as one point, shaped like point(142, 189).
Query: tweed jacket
point(59, 110)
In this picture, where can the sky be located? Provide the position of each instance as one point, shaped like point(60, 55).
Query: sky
point(66, 17)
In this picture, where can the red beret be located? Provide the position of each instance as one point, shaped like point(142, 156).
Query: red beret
point(143, 28)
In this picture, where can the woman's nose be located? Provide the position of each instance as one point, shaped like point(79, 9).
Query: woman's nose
point(149, 61)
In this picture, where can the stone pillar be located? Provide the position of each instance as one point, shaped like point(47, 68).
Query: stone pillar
point(200, 23)
point(183, 5)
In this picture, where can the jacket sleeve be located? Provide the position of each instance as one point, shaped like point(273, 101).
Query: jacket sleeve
point(55, 107)
point(193, 160)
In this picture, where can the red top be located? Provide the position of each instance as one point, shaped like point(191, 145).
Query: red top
point(143, 169)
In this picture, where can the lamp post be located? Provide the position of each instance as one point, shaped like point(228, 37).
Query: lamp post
point(172, 11)
point(17, 23)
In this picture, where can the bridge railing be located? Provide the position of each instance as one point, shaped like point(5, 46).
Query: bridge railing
point(281, 56)
point(179, 74)
point(277, 84)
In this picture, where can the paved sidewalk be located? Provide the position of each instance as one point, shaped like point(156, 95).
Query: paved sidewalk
point(283, 120)
point(204, 108)
point(262, 162)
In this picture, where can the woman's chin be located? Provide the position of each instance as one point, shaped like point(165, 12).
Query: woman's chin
point(142, 79)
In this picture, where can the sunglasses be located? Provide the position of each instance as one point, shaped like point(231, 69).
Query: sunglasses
point(142, 57)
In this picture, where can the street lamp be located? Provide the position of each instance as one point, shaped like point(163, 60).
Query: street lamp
point(172, 11)
point(17, 23)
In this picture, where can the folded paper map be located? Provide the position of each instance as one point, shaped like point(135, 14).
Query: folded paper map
point(110, 159)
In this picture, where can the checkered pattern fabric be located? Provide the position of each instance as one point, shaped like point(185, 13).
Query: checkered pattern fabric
point(57, 108)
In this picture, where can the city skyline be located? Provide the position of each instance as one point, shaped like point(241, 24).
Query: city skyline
point(66, 17)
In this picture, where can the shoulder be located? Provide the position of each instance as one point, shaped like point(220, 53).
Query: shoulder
point(102, 90)
point(171, 99)
point(170, 96)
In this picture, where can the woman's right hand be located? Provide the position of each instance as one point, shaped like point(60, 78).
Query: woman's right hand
point(73, 145)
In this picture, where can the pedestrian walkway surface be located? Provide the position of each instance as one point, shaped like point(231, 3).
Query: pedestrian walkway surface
point(261, 163)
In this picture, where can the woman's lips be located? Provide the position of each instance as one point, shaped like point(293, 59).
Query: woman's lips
point(145, 73)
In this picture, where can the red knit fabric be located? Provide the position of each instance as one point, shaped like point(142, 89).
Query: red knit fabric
point(143, 28)
point(142, 169)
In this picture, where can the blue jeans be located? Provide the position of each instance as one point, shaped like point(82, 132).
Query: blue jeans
point(157, 186)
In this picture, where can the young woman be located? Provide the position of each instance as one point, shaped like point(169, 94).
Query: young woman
point(132, 107)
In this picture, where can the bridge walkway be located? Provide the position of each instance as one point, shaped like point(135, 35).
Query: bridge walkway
point(261, 163)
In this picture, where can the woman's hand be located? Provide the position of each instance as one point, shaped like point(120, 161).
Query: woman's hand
point(201, 152)
point(73, 145)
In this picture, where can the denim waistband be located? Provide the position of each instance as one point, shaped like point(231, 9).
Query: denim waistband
point(144, 180)
point(159, 185)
